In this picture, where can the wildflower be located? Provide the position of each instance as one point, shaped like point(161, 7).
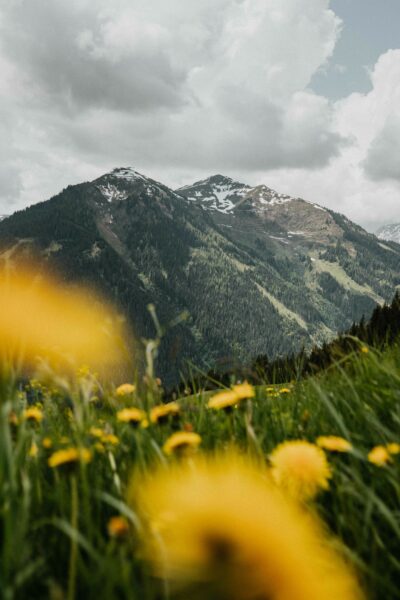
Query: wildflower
point(96, 432)
point(33, 413)
point(181, 441)
point(110, 438)
point(131, 415)
point(125, 389)
point(47, 443)
point(379, 456)
point(70, 325)
point(161, 413)
point(284, 390)
point(223, 400)
point(69, 456)
point(300, 468)
point(218, 522)
point(364, 350)
point(244, 390)
point(33, 450)
point(118, 527)
point(98, 446)
point(333, 443)
point(229, 398)
point(393, 448)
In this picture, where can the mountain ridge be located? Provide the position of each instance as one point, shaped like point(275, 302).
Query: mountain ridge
point(258, 272)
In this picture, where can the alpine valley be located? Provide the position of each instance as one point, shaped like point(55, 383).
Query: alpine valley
point(257, 272)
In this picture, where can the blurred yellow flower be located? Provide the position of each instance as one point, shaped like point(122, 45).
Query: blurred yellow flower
point(216, 529)
point(181, 441)
point(229, 398)
point(223, 400)
point(69, 456)
point(131, 415)
point(364, 350)
point(393, 448)
point(33, 413)
point(96, 432)
point(284, 390)
point(33, 450)
point(333, 443)
point(243, 390)
point(109, 438)
point(300, 468)
point(47, 443)
point(42, 317)
point(125, 389)
point(161, 413)
point(118, 527)
point(379, 456)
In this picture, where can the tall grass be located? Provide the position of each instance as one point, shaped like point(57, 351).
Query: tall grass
point(55, 523)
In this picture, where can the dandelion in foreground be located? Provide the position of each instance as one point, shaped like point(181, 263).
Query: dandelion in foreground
point(215, 528)
point(162, 412)
point(379, 456)
point(133, 415)
point(118, 527)
point(70, 327)
point(34, 414)
point(300, 468)
point(333, 443)
point(125, 389)
point(182, 442)
point(69, 457)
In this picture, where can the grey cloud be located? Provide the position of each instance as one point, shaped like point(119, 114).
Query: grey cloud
point(46, 38)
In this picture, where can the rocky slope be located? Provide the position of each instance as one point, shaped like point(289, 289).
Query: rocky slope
point(390, 233)
point(258, 272)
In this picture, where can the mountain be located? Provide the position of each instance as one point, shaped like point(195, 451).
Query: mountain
point(390, 233)
point(258, 272)
point(3, 217)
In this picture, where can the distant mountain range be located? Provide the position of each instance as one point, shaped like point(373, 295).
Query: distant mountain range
point(257, 271)
point(390, 233)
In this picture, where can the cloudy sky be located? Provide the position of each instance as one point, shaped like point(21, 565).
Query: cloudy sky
point(302, 95)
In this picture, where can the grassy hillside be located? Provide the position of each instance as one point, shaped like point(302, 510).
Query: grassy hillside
point(59, 534)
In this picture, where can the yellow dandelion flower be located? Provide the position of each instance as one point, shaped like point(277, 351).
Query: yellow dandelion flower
point(285, 390)
point(300, 468)
point(161, 413)
point(33, 450)
point(96, 432)
point(333, 443)
point(33, 413)
point(364, 350)
point(217, 521)
point(223, 400)
point(181, 441)
point(131, 415)
point(379, 456)
point(118, 527)
point(47, 443)
point(98, 446)
point(110, 438)
point(243, 391)
point(393, 448)
point(125, 389)
point(70, 327)
point(69, 456)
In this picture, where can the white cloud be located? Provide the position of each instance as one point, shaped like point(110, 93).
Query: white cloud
point(166, 86)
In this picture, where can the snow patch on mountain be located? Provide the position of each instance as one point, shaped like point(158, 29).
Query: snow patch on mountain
point(390, 233)
point(112, 193)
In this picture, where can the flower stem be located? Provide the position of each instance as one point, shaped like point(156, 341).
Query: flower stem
point(74, 543)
